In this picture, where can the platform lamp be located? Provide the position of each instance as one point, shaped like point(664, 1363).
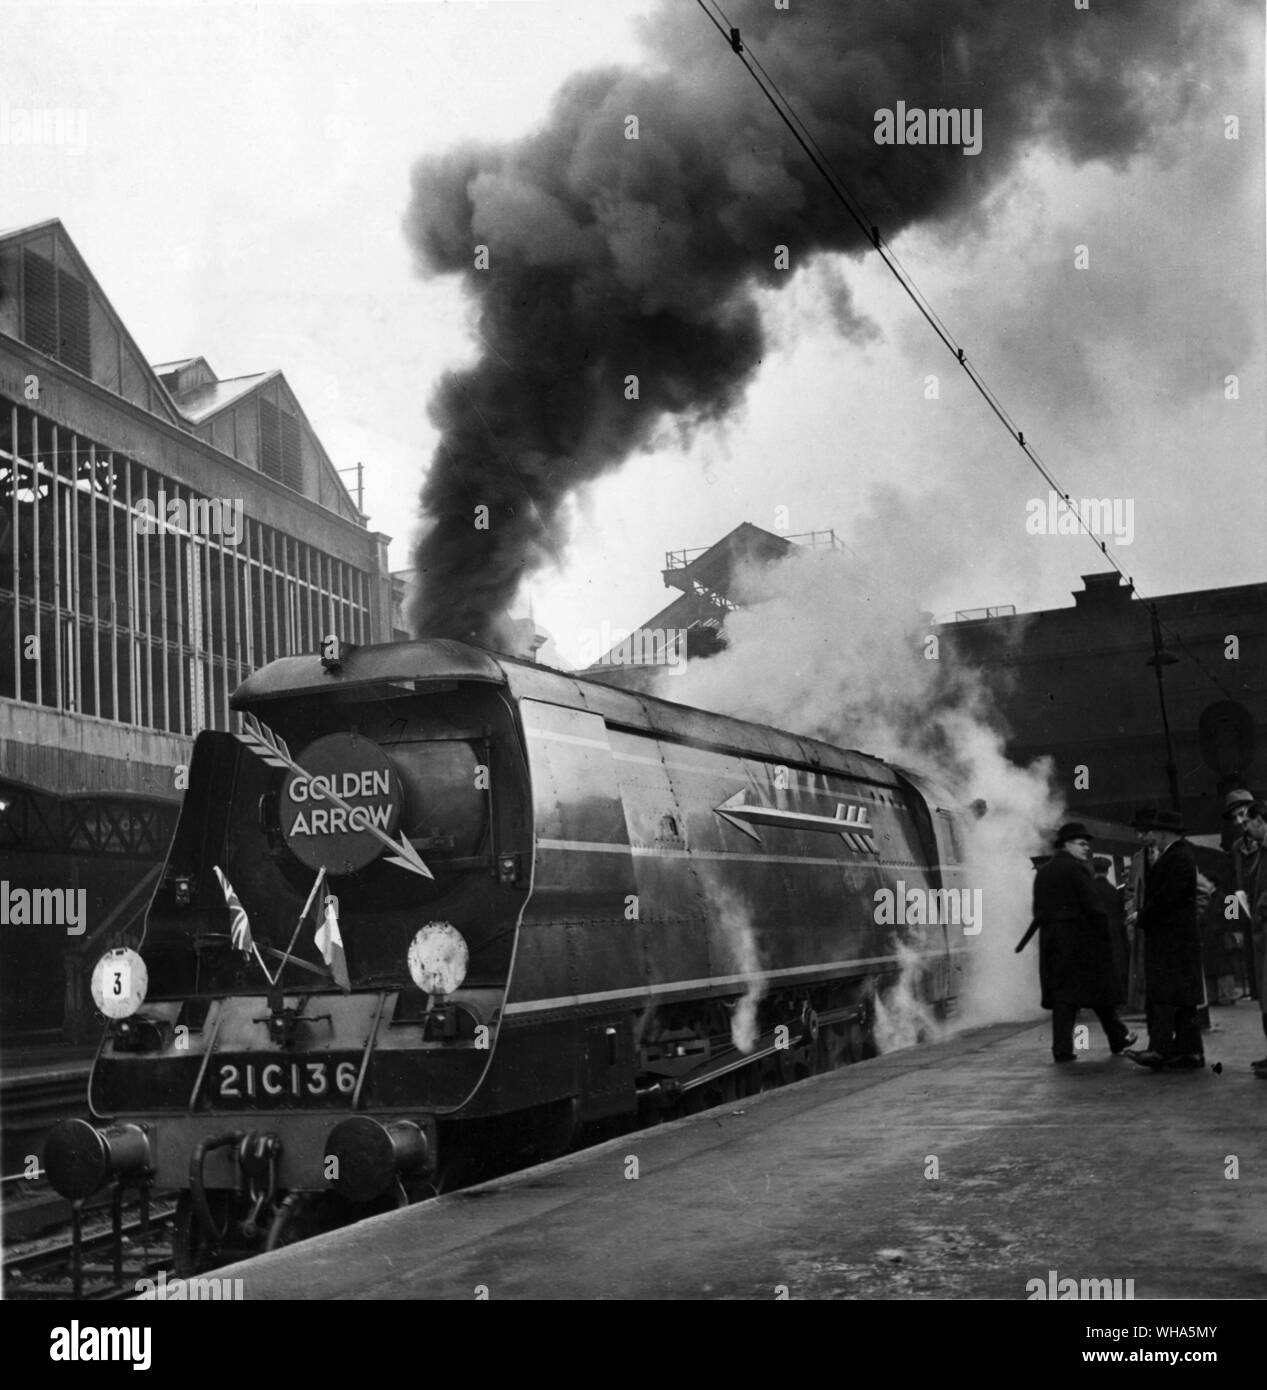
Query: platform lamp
point(1161, 657)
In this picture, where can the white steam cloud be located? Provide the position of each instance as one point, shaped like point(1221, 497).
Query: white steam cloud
point(740, 939)
point(902, 1018)
point(838, 647)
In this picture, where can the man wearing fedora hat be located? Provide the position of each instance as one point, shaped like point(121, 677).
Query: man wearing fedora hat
point(1075, 946)
point(1173, 984)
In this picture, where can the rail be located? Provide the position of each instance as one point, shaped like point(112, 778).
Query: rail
point(49, 1266)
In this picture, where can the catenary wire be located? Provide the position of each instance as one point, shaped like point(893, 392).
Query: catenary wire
point(818, 158)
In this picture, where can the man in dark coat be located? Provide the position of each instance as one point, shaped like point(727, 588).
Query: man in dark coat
point(1075, 946)
point(1173, 984)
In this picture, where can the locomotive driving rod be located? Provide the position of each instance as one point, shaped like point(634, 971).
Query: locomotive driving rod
point(848, 1014)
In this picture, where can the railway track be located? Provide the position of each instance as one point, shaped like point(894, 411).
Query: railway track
point(43, 1267)
point(38, 1250)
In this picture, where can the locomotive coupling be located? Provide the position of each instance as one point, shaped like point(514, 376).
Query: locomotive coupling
point(364, 1156)
point(79, 1158)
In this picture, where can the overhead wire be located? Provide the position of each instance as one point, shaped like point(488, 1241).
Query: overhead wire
point(814, 152)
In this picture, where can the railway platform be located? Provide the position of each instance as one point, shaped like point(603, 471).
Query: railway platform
point(969, 1169)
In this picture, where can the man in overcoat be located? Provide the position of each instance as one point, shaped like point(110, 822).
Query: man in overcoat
point(1075, 946)
point(1173, 984)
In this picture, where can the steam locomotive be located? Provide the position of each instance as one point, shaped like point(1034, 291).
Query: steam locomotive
point(483, 906)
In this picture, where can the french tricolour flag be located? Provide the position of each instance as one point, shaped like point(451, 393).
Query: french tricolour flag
point(329, 942)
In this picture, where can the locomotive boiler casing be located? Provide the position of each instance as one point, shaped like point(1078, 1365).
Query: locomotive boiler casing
point(679, 855)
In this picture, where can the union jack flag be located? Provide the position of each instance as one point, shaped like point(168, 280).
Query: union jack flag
point(239, 922)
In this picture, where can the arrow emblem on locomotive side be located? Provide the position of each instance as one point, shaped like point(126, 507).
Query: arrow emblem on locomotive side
point(850, 821)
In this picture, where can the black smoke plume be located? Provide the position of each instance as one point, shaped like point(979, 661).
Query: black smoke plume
point(611, 257)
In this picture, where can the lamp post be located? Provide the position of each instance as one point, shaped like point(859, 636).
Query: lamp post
point(1160, 658)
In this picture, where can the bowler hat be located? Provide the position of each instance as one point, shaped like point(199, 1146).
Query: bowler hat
point(1239, 797)
point(1169, 821)
point(1143, 819)
point(1075, 830)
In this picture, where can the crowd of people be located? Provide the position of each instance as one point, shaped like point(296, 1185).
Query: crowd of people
point(1102, 946)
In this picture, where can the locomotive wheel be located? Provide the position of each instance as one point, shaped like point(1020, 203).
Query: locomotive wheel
point(805, 1061)
point(718, 1092)
point(695, 1100)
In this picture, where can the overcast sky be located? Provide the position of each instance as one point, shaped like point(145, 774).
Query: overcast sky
point(241, 192)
